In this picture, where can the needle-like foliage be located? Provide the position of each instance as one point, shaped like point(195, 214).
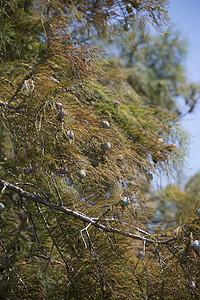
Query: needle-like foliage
point(78, 146)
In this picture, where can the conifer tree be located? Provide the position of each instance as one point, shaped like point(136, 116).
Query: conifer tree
point(78, 145)
point(153, 64)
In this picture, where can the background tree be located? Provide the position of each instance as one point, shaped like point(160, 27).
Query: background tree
point(153, 64)
point(78, 145)
point(174, 205)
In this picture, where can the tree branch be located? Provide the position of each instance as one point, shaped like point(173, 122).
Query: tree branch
point(76, 214)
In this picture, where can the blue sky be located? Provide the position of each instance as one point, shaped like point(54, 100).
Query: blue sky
point(186, 17)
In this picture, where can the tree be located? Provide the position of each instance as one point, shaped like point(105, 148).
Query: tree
point(78, 145)
point(176, 204)
point(154, 65)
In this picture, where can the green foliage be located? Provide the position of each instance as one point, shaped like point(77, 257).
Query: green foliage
point(154, 66)
point(62, 235)
point(175, 205)
point(20, 37)
point(158, 70)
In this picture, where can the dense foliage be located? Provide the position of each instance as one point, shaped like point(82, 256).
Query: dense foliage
point(154, 65)
point(78, 147)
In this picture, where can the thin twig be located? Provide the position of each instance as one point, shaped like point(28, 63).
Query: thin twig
point(78, 215)
point(51, 236)
point(81, 231)
point(59, 197)
point(49, 259)
point(5, 104)
point(97, 262)
point(10, 266)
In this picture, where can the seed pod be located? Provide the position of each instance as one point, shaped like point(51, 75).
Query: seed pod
point(105, 124)
point(61, 115)
point(126, 201)
point(63, 170)
point(82, 174)
point(136, 4)
point(129, 8)
point(2, 207)
point(106, 146)
point(196, 245)
point(27, 171)
point(70, 135)
point(59, 105)
point(127, 27)
point(95, 163)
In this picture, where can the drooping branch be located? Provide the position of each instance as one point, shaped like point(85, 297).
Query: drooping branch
point(13, 269)
point(52, 238)
point(78, 215)
point(28, 76)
